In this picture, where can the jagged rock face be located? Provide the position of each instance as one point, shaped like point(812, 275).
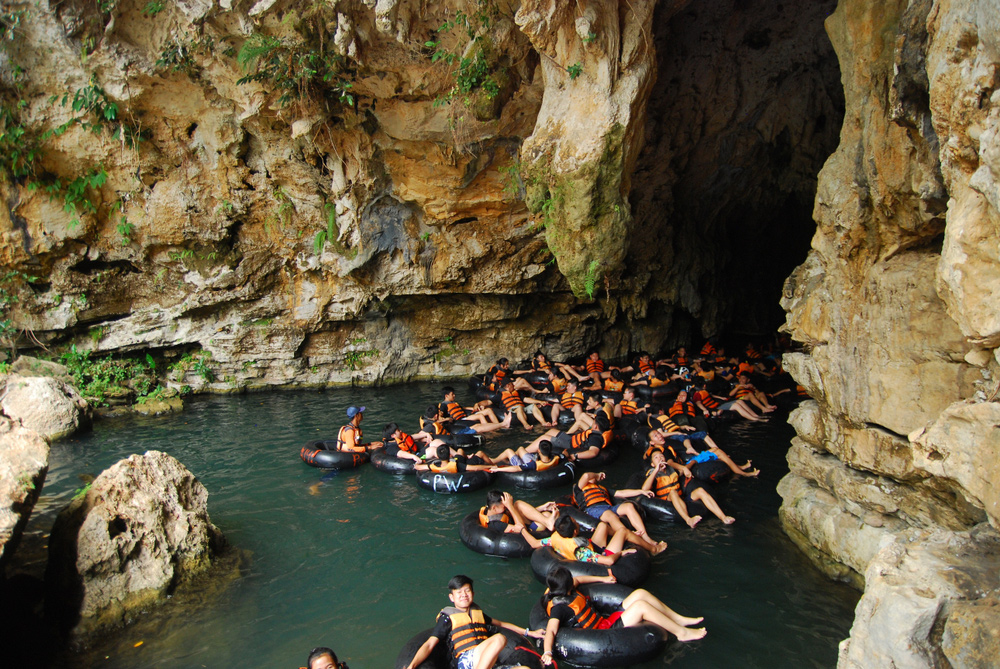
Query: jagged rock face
point(325, 239)
point(24, 461)
point(140, 530)
point(894, 470)
point(46, 405)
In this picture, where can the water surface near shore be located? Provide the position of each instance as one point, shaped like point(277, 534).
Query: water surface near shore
point(359, 560)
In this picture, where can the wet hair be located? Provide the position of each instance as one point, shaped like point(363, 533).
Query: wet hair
point(458, 582)
point(443, 452)
point(540, 353)
point(432, 411)
point(545, 448)
point(494, 497)
point(319, 652)
point(388, 430)
point(559, 582)
point(628, 388)
point(616, 375)
point(591, 351)
point(447, 389)
point(502, 361)
point(565, 526)
point(592, 396)
point(602, 422)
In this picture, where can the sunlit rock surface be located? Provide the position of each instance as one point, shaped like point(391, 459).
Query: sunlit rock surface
point(893, 475)
point(400, 232)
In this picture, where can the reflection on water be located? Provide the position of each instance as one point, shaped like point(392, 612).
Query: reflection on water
point(359, 560)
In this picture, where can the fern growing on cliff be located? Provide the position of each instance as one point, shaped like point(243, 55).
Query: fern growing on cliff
point(590, 280)
point(293, 70)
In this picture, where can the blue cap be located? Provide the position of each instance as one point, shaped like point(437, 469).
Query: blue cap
point(354, 411)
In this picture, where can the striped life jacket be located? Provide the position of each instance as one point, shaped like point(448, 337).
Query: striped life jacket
point(584, 615)
point(468, 629)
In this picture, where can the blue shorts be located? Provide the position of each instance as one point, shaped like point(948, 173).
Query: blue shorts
point(528, 463)
point(597, 510)
point(462, 429)
point(466, 659)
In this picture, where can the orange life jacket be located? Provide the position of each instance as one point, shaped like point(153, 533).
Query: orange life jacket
point(354, 445)
point(567, 546)
point(583, 615)
point(455, 410)
point(511, 399)
point(487, 518)
point(646, 367)
point(595, 493)
point(666, 483)
point(706, 399)
point(613, 386)
point(629, 407)
point(468, 629)
point(595, 366)
point(571, 400)
point(681, 409)
point(708, 350)
point(558, 384)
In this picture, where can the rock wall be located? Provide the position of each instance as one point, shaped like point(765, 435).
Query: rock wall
point(421, 191)
point(893, 474)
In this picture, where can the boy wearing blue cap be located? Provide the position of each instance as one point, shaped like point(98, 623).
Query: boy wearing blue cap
point(349, 437)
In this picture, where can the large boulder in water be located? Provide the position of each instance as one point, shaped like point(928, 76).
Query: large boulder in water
point(140, 530)
point(45, 404)
point(24, 460)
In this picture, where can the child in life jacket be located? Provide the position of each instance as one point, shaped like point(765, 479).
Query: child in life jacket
point(471, 635)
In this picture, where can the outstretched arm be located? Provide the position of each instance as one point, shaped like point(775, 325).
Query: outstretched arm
point(549, 640)
point(423, 652)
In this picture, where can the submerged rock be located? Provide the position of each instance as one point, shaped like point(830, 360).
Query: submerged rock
point(140, 530)
point(24, 460)
point(45, 404)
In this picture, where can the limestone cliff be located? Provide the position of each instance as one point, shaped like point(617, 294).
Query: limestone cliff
point(893, 474)
point(319, 193)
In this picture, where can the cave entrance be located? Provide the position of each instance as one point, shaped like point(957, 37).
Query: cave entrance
point(747, 107)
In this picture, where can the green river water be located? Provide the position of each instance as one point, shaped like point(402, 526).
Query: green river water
point(360, 561)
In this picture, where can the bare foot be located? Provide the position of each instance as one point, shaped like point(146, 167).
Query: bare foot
point(749, 463)
point(692, 634)
point(314, 488)
point(729, 520)
point(694, 521)
point(506, 421)
point(659, 548)
point(687, 622)
point(751, 473)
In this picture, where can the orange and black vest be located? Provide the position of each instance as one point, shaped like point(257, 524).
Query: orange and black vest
point(595, 493)
point(578, 439)
point(468, 629)
point(541, 366)
point(431, 427)
point(511, 399)
point(569, 401)
point(595, 366)
point(682, 409)
point(486, 518)
point(708, 350)
point(706, 399)
point(406, 443)
point(744, 391)
point(613, 386)
point(801, 391)
point(583, 615)
point(498, 374)
point(629, 407)
point(558, 384)
point(646, 367)
point(752, 354)
point(454, 409)
point(682, 361)
point(666, 483)
point(342, 444)
point(667, 424)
